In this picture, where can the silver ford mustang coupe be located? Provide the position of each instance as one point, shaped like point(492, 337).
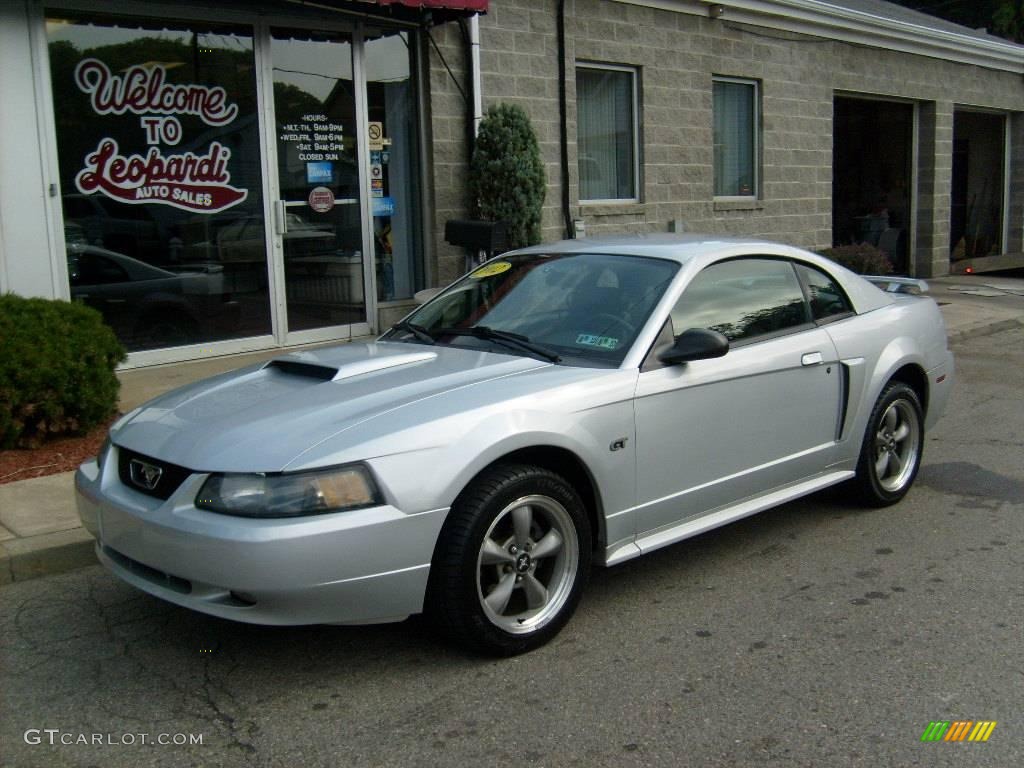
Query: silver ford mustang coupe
point(562, 405)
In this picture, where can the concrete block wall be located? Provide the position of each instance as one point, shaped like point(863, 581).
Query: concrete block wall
point(677, 55)
point(934, 183)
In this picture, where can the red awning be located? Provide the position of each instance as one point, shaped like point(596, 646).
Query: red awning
point(478, 6)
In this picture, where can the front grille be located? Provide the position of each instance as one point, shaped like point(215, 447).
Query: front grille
point(152, 575)
point(170, 475)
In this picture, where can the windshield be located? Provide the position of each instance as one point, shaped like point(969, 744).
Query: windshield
point(586, 309)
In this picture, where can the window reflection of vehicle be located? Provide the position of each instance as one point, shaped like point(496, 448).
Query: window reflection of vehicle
point(149, 306)
point(127, 229)
point(74, 234)
point(245, 240)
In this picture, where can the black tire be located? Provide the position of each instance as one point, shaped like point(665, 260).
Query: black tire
point(483, 590)
point(888, 461)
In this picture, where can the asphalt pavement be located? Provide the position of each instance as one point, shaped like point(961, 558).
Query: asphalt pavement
point(816, 634)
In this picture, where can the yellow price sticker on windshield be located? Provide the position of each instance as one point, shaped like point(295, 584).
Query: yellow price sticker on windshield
point(490, 270)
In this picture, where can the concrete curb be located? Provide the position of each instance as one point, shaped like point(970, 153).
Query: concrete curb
point(985, 329)
point(50, 553)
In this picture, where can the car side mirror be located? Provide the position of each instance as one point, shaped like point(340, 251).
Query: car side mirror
point(695, 344)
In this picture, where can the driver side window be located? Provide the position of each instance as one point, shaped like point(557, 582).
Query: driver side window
point(743, 299)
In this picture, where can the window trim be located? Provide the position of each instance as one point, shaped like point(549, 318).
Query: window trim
point(651, 363)
point(756, 137)
point(637, 177)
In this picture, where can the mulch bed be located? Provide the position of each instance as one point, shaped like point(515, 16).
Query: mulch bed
point(58, 455)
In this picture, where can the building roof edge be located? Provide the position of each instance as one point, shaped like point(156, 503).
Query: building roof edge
point(846, 24)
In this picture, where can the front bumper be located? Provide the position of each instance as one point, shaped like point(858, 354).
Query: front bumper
point(363, 566)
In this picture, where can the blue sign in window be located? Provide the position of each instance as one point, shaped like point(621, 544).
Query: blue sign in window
point(383, 206)
point(319, 173)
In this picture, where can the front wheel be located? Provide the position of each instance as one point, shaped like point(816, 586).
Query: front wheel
point(511, 561)
point(891, 453)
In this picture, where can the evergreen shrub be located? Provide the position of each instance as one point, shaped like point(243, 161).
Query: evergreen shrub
point(57, 362)
point(506, 174)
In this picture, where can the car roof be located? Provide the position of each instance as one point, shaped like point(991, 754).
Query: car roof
point(700, 250)
point(681, 248)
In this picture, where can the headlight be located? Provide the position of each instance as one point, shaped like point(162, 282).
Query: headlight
point(289, 495)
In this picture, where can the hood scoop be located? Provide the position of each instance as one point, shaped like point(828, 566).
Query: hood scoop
point(307, 370)
point(321, 372)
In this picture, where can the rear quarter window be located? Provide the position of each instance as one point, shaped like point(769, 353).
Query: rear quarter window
point(827, 299)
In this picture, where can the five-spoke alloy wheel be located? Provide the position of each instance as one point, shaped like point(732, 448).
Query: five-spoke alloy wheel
point(527, 564)
point(511, 560)
point(891, 453)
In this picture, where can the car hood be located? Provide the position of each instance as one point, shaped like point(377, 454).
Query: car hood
point(262, 417)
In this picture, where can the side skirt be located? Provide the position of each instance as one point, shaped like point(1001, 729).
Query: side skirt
point(688, 528)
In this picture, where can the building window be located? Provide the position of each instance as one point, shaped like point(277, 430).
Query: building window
point(736, 137)
point(157, 143)
point(606, 103)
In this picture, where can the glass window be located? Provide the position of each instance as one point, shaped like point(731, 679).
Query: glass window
point(159, 151)
point(394, 166)
point(826, 297)
point(318, 174)
point(586, 308)
point(742, 299)
point(606, 124)
point(735, 138)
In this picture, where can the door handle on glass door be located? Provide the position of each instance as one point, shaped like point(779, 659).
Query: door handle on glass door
point(812, 358)
point(280, 217)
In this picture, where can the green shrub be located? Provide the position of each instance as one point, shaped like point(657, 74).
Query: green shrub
point(506, 174)
point(57, 361)
point(864, 259)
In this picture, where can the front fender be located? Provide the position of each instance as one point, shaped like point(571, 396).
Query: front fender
point(431, 478)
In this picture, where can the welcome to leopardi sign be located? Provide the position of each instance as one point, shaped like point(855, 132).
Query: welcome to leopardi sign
point(191, 181)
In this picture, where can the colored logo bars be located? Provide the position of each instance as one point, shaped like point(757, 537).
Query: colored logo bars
point(958, 730)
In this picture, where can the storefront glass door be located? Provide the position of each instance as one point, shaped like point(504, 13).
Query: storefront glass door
point(318, 216)
point(227, 187)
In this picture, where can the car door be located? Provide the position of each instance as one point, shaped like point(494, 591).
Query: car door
point(713, 432)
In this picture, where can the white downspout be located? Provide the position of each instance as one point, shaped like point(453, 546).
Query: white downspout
point(474, 65)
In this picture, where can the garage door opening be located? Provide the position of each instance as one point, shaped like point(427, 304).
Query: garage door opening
point(978, 192)
point(872, 175)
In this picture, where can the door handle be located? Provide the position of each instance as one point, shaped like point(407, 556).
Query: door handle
point(280, 219)
point(812, 358)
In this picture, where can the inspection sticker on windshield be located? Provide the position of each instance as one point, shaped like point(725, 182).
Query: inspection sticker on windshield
point(489, 270)
point(605, 342)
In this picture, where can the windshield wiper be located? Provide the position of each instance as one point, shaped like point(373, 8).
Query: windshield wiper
point(416, 330)
point(506, 337)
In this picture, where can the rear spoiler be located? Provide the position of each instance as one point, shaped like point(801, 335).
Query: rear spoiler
point(898, 284)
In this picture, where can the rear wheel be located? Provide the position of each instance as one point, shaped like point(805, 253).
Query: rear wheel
point(511, 561)
point(893, 443)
